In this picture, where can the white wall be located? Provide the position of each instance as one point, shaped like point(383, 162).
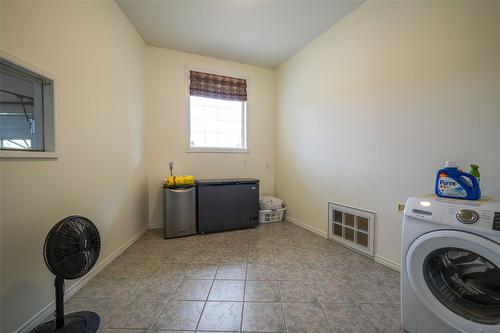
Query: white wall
point(166, 118)
point(98, 60)
point(368, 111)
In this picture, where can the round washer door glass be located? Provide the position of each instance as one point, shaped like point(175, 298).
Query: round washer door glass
point(465, 282)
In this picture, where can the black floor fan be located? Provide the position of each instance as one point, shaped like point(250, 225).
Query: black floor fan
point(71, 250)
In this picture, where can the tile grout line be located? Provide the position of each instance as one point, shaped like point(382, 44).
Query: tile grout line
point(158, 316)
point(244, 292)
point(206, 300)
point(326, 318)
point(164, 306)
point(282, 308)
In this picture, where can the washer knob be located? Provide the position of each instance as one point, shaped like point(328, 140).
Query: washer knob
point(467, 216)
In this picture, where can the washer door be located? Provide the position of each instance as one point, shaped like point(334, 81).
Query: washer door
point(457, 276)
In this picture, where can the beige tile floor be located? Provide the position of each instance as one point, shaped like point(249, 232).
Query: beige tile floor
point(275, 278)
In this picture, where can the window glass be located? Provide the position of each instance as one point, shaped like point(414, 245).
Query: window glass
point(25, 100)
point(217, 123)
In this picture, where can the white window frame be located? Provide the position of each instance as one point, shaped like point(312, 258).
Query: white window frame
point(51, 137)
point(190, 149)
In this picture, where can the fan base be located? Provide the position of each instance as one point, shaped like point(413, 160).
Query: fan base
point(76, 322)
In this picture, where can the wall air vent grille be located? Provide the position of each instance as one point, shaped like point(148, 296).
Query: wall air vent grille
point(351, 227)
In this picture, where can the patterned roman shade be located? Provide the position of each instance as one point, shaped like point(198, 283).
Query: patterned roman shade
point(217, 86)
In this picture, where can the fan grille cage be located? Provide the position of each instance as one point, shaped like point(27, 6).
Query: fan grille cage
point(72, 247)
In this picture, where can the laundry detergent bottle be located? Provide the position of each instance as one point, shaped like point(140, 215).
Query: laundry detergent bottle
point(454, 183)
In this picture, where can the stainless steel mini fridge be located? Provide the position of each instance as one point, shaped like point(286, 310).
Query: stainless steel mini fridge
point(179, 211)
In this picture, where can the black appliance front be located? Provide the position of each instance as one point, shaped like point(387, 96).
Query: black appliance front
point(466, 283)
point(227, 204)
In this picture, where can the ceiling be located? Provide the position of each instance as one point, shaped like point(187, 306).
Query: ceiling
point(261, 33)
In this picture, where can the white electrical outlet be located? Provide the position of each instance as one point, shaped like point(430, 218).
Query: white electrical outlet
point(400, 207)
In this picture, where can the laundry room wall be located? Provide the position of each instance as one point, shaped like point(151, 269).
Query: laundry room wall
point(166, 96)
point(371, 109)
point(97, 59)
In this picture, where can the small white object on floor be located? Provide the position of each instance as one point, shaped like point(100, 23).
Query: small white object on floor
point(270, 202)
point(271, 215)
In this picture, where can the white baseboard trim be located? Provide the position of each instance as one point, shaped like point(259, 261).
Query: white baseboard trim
point(388, 263)
point(38, 318)
point(306, 226)
point(377, 258)
point(156, 226)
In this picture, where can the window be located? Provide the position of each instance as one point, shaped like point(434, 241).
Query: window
point(217, 123)
point(26, 109)
point(217, 113)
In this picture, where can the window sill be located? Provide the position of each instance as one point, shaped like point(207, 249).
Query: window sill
point(4, 154)
point(218, 150)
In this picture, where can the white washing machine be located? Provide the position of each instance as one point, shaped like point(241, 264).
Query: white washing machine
point(450, 271)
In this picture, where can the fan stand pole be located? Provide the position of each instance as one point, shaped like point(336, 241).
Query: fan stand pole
point(59, 286)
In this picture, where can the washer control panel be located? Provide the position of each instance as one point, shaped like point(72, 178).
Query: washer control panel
point(473, 217)
point(467, 216)
point(496, 221)
point(480, 216)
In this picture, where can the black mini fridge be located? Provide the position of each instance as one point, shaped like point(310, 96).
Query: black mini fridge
point(227, 204)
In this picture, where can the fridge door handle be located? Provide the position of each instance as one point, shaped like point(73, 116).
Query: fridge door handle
point(180, 190)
